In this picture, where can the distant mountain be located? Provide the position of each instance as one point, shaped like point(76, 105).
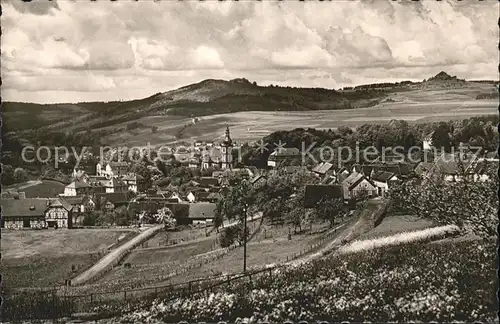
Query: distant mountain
point(208, 97)
point(443, 76)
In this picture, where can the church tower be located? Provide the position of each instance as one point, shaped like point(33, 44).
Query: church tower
point(226, 149)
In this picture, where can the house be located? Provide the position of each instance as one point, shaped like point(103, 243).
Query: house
point(77, 188)
point(427, 141)
point(453, 167)
point(208, 182)
point(282, 154)
point(198, 212)
point(112, 169)
point(114, 185)
point(81, 205)
point(13, 195)
point(114, 200)
point(323, 168)
point(258, 180)
point(357, 184)
point(315, 193)
point(482, 168)
point(135, 182)
point(36, 213)
point(176, 197)
point(382, 180)
point(195, 162)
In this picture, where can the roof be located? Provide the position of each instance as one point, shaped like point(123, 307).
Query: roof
point(286, 151)
point(202, 210)
point(59, 202)
point(383, 176)
point(132, 177)
point(323, 167)
point(78, 184)
point(29, 207)
point(115, 197)
point(114, 182)
point(449, 163)
point(118, 164)
point(208, 181)
point(257, 178)
point(314, 194)
point(74, 200)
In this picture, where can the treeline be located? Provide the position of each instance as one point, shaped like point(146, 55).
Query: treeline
point(476, 131)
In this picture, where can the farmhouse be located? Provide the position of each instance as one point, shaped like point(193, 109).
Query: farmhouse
point(382, 179)
point(323, 168)
point(455, 167)
point(135, 182)
point(35, 213)
point(283, 154)
point(357, 184)
point(77, 188)
point(198, 213)
point(113, 200)
point(112, 169)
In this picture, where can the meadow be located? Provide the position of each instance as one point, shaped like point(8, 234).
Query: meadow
point(411, 282)
point(253, 125)
point(49, 257)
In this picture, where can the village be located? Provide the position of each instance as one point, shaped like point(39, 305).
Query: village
point(113, 185)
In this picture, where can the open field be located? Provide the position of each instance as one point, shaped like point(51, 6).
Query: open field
point(253, 125)
point(45, 258)
point(393, 224)
point(35, 189)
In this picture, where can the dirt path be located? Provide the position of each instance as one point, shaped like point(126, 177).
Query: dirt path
point(110, 258)
point(366, 221)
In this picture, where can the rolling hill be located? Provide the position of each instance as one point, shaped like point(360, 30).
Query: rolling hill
point(252, 109)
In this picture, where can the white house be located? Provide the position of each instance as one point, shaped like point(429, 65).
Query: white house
point(382, 180)
point(427, 141)
point(356, 184)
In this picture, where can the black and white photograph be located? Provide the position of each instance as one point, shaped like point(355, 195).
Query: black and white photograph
point(184, 161)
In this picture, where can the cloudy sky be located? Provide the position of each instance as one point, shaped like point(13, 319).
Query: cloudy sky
point(86, 51)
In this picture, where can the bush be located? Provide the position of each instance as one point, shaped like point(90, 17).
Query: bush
point(154, 129)
point(425, 282)
point(37, 305)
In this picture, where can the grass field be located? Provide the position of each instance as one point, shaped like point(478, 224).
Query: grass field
point(45, 258)
point(35, 189)
point(253, 125)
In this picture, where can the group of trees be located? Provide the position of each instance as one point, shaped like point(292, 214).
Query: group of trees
point(280, 198)
point(476, 131)
point(471, 205)
point(11, 175)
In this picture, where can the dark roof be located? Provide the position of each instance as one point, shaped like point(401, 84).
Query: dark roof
point(257, 178)
point(30, 207)
point(214, 195)
point(115, 197)
point(314, 194)
point(449, 163)
point(78, 184)
point(208, 181)
point(76, 200)
point(382, 176)
point(202, 210)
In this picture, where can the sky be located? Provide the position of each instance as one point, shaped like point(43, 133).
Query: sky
point(101, 51)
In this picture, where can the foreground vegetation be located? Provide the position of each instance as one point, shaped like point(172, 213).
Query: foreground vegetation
point(442, 282)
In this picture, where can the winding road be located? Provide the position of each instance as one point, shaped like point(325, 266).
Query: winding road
point(110, 258)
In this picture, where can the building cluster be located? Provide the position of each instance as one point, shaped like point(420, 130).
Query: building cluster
point(112, 184)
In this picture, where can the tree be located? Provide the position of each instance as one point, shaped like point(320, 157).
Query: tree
point(166, 217)
point(154, 129)
point(7, 174)
point(329, 209)
point(20, 175)
point(471, 205)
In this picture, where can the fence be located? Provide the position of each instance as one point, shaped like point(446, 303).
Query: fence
point(65, 302)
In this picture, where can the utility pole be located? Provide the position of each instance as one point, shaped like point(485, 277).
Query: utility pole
point(245, 239)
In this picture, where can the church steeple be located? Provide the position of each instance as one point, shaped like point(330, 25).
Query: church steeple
point(227, 138)
point(227, 146)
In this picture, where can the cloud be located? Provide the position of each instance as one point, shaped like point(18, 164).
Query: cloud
point(265, 41)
